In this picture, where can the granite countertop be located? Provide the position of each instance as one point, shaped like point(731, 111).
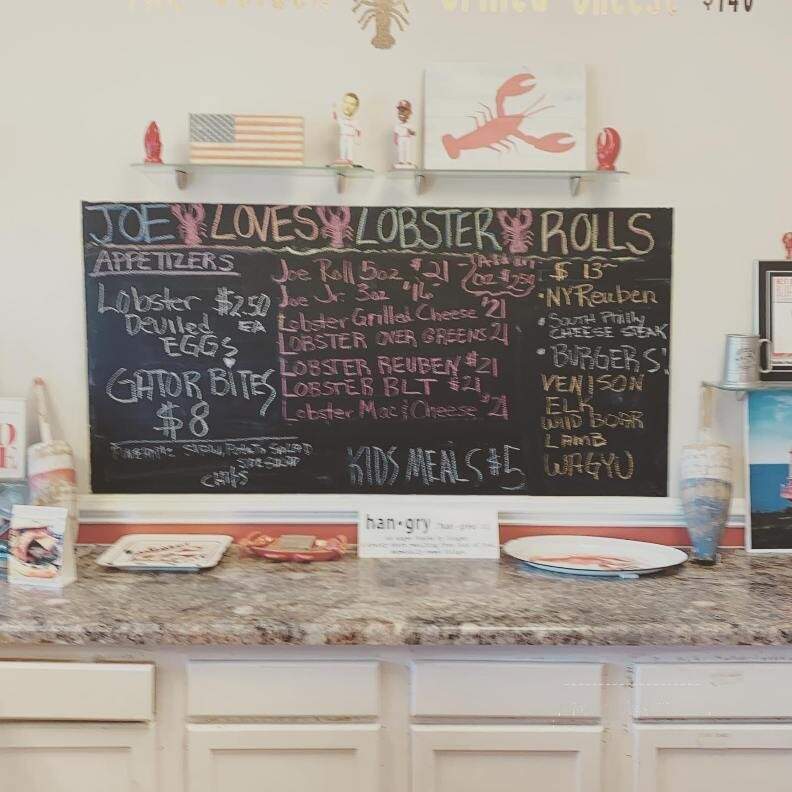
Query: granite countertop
point(744, 600)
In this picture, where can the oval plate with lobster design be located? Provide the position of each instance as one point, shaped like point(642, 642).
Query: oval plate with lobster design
point(594, 555)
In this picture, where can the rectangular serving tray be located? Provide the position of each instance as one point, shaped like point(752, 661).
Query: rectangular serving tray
point(209, 550)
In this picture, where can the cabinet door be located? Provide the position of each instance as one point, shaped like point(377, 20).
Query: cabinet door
point(506, 758)
point(64, 757)
point(286, 758)
point(723, 757)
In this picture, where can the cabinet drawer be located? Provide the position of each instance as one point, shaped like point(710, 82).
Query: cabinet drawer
point(339, 757)
point(496, 758)
point(251, 689)
point(713, 690)
point(712, 757)
point(507, 690)
point(76, 691)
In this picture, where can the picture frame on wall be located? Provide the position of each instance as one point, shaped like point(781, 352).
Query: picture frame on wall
point(768, 471)
point(773, 285)
point(505, 117)
point(13, 443)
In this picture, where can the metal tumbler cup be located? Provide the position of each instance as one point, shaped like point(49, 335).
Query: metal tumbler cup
point(743, 361)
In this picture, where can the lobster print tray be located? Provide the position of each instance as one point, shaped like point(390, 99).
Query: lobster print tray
point(165, 552)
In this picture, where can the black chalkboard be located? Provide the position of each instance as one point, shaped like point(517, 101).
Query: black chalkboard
point(304, 349)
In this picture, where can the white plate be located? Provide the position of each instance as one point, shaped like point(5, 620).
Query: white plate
point(165, 552)
point(594, 555)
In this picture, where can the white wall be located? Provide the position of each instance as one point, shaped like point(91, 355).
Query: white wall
point(702, 101)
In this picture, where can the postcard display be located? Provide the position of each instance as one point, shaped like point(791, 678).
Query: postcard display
point(309, 349)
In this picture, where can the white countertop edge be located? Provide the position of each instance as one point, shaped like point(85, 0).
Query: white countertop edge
point(343, 509)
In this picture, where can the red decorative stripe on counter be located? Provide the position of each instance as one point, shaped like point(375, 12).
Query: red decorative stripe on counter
point(107, 533)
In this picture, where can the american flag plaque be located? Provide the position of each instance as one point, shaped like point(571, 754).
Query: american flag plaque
point(228, 139)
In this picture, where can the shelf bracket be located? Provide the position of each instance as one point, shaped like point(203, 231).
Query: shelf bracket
point(340, 182)
point(420, 183)
point(182, 177)
point(574, 185)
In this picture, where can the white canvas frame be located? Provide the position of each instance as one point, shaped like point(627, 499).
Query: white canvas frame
point(451, 106)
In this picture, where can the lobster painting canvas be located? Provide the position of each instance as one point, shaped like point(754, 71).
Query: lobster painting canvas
point(505, 117)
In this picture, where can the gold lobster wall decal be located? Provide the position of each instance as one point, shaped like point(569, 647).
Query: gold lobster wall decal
point(383, 13)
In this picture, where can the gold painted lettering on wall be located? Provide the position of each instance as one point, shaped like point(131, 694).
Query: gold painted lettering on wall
point(181, 5)
point(622, 7)
point(496, 6)
point(156, 5)
point(385, 16)
point(580, 7)
point(278, 4)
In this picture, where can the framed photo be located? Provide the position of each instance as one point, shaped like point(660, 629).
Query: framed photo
point(40, 549)
point(768, 477)
point(774, 316)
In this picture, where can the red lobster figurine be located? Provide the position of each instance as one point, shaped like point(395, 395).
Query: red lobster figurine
point(608, 149)
point(153, 144)
point(502, 130)
point(787, 240)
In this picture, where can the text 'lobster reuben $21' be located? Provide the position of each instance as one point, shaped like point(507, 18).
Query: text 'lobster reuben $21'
point(324, 349)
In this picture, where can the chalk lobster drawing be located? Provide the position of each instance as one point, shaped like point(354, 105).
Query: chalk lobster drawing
point(382, 13)
point(516, 233)
point(191, 222)
point(501, 131)
point(336, 224)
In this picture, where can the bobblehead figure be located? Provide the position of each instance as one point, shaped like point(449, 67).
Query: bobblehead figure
point(404, 137)
point(348, 129)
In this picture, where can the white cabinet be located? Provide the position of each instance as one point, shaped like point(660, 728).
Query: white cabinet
point(85, 727)
point(673, 754)
point(503, 757)
point(722, 757)
point(43, 691)
point(283, 690)
point(713, 691)
point(550, 691)
point(390, 720)
point(77, 757)
point(506, 758)
point(286, 758)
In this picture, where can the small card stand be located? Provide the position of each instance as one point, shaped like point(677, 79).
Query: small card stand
point(415, 531)
point(40, 547)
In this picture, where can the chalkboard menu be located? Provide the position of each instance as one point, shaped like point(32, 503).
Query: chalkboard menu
point(324, 349)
